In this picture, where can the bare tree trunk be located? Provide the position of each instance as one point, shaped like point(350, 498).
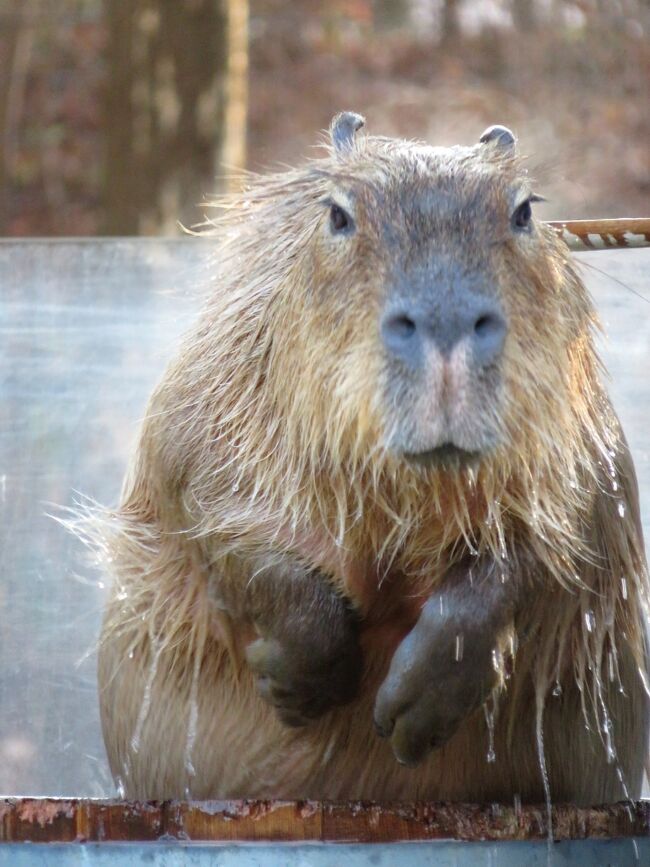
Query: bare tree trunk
point(388, 14)
point(233, 156)
point(449, 25)
point(17, 24)
point(177, 78)
point(123, 191)
point(524, 15)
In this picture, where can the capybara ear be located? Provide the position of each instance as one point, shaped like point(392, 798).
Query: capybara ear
point(501, 137)
point(343, 127)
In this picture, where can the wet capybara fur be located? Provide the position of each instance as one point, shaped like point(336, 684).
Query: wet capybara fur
point(380, 535)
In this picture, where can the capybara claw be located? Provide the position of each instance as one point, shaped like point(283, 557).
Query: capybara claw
point(384, 728)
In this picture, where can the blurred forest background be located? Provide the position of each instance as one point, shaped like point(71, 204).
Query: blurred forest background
point(121, 116)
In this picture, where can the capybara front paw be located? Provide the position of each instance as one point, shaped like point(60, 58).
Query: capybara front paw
point(416, 719)
point(432, 684)
point(302, 686)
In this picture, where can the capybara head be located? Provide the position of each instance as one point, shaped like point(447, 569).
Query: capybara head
point(407, 302)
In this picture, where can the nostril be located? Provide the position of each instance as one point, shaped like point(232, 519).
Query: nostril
point(489, 336)
point(400, 325)
point(489, 325)
point(401, 335)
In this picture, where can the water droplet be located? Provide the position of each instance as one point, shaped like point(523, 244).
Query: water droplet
point(624, 588)
point(621, 509)
point(624, 788)
point(557, 689)
point(614, 486)
point(489, 721)
point(193, 717)
point(146, 700)
point(541, 759)
point(235, 487)
point(458, 654)
point(590, 620)
point(121, 791)
point(644, 680)
point(131, 654)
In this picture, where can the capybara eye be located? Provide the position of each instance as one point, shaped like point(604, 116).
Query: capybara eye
point(339, 220)
point(522, 216)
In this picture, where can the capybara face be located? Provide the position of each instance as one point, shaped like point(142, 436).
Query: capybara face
point(440, 321)
point(424, 305)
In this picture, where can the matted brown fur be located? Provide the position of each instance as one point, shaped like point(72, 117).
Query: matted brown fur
point(267, 436)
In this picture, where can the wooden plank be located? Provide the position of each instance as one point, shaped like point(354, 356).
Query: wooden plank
point(68, 820)
point(625, 233)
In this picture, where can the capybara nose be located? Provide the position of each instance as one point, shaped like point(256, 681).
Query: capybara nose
point(409, 330)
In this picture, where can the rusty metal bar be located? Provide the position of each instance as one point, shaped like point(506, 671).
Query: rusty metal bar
point(581, 235)
point(48, 820)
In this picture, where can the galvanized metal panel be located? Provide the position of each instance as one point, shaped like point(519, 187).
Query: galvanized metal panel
point(85, 329)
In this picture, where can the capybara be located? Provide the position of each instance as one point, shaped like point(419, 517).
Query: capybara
point(380, 535)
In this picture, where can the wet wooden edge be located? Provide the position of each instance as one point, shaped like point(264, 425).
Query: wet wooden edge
point(624, 233)
point(68, 820)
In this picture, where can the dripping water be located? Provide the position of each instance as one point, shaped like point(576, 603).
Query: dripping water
point(605, 723)
point(489, 721)
point(146, 701)
point(644, 681)
point(610, 667)
point(606, 727)
point(541, 758)
point(193, 717)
